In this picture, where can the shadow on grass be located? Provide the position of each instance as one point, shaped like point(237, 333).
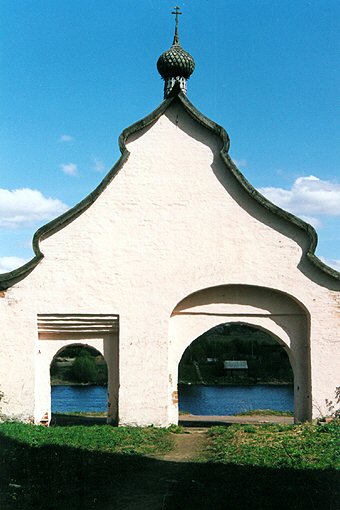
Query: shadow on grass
point(53, 477)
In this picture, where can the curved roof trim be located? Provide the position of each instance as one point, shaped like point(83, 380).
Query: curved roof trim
point(12, 277)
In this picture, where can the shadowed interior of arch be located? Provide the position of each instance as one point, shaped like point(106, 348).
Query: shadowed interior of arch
point(234, 368)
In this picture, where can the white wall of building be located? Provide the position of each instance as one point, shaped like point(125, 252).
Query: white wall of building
point(172, 222)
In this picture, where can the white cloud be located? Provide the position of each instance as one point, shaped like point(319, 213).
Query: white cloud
point(99, 165)
point(66, 138)
point(315, 222)
point(309, 196)
point(9, 263)
point(22, 207)
point(69, 168)
point(334, 263)
point(240, 163)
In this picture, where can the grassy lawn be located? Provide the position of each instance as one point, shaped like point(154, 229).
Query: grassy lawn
point(251, 467)
point(103, 438)
point(73, 467)
point(307, 446)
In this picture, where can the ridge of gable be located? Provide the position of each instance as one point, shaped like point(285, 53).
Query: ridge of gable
point(10, 278)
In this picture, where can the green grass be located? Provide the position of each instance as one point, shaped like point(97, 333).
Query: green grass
point(102, 438)
point(101, 467)
point(265, 412)
point(76, 468)
point(306, 446)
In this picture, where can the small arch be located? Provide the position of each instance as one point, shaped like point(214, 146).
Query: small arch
point(49, 346)
point(79, 377)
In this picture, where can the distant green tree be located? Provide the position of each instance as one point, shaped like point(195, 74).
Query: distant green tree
point(84, 368)
point(102, 373)
point(267, 360)
point(54, 368)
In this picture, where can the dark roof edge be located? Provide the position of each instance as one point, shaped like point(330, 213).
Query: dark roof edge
point(12, 277)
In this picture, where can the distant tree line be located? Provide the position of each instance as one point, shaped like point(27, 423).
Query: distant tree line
point(78, 364)
point(267, 360)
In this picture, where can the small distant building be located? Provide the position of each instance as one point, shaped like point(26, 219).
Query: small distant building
point(235, 367)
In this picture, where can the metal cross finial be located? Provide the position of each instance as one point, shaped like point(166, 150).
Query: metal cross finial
point(177, 12)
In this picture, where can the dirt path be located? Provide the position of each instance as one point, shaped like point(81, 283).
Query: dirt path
point(177, 480)
point(188, 446)
point(156, 480)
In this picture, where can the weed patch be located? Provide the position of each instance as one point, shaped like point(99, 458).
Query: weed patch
point(307, 446)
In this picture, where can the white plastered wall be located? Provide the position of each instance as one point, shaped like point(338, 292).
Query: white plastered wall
point(173, 221)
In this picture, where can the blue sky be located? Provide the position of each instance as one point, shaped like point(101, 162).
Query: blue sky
point(75, 73)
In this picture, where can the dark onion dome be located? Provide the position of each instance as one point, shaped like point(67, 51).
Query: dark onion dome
point(175, 62)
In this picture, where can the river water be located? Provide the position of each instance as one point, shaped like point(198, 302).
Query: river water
point(194, 399)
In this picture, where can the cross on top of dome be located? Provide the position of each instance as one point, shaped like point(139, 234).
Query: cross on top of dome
point(175, 65)
point(177, 12)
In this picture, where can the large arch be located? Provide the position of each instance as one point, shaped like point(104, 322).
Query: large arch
point(278, 314)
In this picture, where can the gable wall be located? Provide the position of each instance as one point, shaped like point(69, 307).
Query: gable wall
point(171, 222)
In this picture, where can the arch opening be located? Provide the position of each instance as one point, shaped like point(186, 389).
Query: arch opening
point(59, 331)
point(79, 380)
point(268, 310)
point(234, 368)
